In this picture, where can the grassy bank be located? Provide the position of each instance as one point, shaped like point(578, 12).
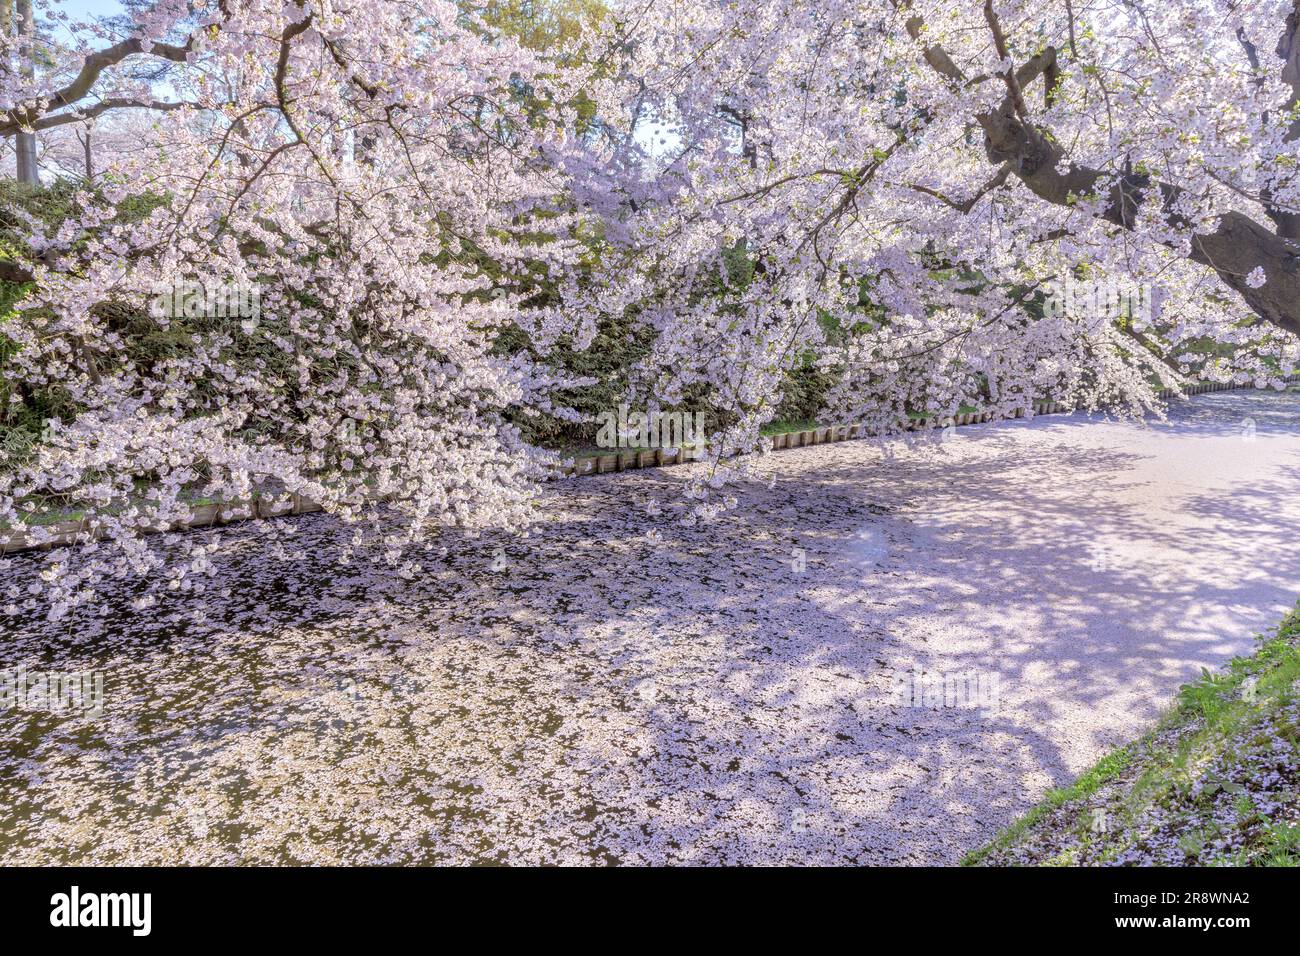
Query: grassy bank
point(1216, 783)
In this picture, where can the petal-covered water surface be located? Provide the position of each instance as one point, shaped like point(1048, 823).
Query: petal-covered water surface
point(882, 656)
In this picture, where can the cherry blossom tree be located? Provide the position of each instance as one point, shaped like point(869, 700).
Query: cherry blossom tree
point(936, 203)
point(351, 208)
point(906, 191)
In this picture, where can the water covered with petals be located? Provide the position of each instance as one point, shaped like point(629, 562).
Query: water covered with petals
point(597, 692)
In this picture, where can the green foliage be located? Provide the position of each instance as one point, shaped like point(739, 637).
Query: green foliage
point(539, 24)
point(23, 412)
point(805, 393)
point(1205, 695)
point(608, 362)
point(1281, 845)
point(1192, 765)
point(544, 25)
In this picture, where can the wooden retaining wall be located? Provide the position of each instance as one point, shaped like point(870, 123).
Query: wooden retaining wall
point(213, 515)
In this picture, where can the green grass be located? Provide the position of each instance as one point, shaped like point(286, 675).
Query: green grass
point(962, 410)
point(783, 426)
point(1089, 783)
point(1175, 786)
point(43, 512)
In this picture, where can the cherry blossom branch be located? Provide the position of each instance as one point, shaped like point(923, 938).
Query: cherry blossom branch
point(1234, 250)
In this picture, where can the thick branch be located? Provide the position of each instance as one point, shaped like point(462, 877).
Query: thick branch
point(92, 66)
point(1000, 44)
point(1288, 48)
point(77, 116)
point(1236, 247)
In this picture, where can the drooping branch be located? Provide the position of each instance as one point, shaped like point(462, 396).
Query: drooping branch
point(969, 203)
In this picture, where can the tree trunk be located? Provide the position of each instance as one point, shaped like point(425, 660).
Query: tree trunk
point(25, 148)
point(25, 143)
point(90, 166)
